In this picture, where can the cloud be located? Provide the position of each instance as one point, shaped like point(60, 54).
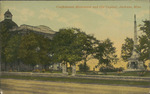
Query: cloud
point(78, 25)
point(70, 19)
point(106, 13)
point(10, 8)
point(71, 22)
point(48, 14)
point(112, 26)
point(25, 14)
point(142, 13)
point(109, 16)
point(64, 17)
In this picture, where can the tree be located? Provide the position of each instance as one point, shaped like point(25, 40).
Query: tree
point(67, 46)
point(28, 49)
point(82, 68)
point(11, 50)
point(144, 41)
point(126, 49)
point(4, 37)
point(89, 43)
point(105, 53)
point(143, 48)
point(45, 50)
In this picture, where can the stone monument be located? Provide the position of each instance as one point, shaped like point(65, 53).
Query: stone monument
point(134, 64)
point(73, 70)
point(64, 69)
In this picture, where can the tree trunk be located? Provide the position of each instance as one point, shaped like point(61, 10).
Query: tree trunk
point(11, 67)
point(18, 65)
point(66, 67)
point(45, 67)
point(70, 65)
point(85, 70)
point(5, 66)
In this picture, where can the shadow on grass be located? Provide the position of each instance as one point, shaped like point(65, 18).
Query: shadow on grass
point(80, 80)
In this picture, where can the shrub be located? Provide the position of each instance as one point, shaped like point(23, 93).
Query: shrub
point(82, 69)
point(36, 70)
point(141, 73)
point(43, 70)
point(110, 69)
point(10, 70)
point(120, 69)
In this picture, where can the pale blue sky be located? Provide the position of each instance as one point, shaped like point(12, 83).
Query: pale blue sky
point(113, 23)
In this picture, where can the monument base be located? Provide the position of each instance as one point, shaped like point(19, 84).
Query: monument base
point(131, 70)
point(135, 65)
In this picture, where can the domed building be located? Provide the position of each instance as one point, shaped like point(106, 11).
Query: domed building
point(10, 25)
point(8, 22)
point(12, 29)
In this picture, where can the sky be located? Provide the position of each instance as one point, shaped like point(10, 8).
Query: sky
point(103, 19)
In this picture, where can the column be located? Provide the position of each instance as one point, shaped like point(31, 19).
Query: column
point(64, 70)
point(73, 70)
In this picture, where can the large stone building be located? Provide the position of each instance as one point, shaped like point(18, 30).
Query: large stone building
point(23, 29)
point(41, 29)
point(12, 27)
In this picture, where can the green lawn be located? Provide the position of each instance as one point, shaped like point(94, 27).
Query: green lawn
point(80, 80)
point(142, 74)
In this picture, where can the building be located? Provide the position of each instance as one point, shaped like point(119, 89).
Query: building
point(13, 28)
point(8, 22)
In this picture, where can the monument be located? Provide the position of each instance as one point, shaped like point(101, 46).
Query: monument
point(73, 70)
point(134, 64)
point(64, 69)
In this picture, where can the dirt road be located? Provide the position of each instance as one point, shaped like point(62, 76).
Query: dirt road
point(13, 86)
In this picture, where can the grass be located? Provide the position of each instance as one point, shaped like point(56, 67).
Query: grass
point(80, 80)
point(133, 73)
point(142, 74)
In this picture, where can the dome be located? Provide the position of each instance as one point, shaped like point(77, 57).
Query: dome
point(8, 23)
point(8, 13)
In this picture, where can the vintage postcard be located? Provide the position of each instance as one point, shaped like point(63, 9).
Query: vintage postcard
point(75, 47)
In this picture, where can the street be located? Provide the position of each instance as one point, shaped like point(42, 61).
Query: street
point(14, 86)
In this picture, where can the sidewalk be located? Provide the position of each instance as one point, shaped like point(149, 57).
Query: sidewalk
point(108, 77)
point(115, 77)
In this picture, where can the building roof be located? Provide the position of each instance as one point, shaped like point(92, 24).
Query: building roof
point(8, 12)
point(41, 29)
